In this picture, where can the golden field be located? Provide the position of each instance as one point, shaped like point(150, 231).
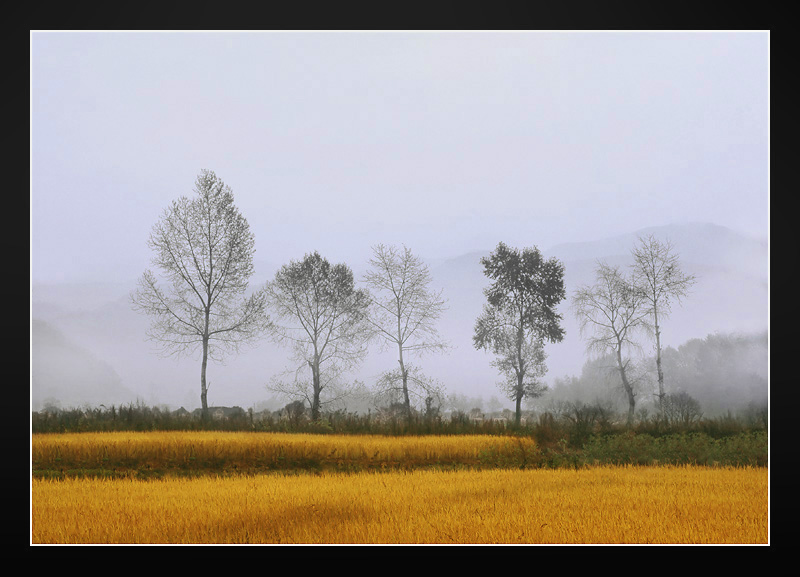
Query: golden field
point(387, 499)
point(236, 451)
point(591, 505)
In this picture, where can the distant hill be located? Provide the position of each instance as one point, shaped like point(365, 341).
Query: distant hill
point(695, 243)
point(65, 373)
point(730, 296)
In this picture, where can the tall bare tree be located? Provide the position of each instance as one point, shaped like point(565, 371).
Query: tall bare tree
point(204, 249)
point(610, 313)
point(520, 314)
point(403, 314)
point(658, 273)
point(323, 316)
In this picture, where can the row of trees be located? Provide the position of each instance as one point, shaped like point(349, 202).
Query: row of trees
point(623, 305)
point(620, 306)
point(204, 249)
point(328, 322)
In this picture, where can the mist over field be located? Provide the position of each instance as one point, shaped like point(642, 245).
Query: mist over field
point(89, 345)
point(447, 143)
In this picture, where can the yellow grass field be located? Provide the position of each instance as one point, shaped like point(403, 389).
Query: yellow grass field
point(591, 505)
point(236, 451)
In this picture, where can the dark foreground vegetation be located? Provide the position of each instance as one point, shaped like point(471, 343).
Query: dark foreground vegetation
point(580, 437)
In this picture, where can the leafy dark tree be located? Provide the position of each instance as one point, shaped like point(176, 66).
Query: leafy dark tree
point(610, 313)
point(319, 311)
point(658, 274)
point(519, 316)
point(295, 411)
point(404, 311)
point(204, 249)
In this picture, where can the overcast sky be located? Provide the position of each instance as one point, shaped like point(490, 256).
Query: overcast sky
point(447, 142)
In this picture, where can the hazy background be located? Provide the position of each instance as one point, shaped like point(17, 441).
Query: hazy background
point(447, 142)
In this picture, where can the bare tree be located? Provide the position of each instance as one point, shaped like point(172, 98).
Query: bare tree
point(204, 248)
point(657, 272)
point(610, 313)
point(320, 313)
point(680, 409)
point(520, 314)
point(403, 314)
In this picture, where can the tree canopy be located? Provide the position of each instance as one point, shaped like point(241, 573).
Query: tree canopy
point(520, 316)
point(323, 316)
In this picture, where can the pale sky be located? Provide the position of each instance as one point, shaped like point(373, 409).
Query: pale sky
point(448, 142)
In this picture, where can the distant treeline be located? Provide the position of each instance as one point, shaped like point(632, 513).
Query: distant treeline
point(573, 424)
point(582, 436)
point(714, 376)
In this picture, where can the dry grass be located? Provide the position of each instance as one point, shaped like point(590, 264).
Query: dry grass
point(222, 451)
point(593, 505)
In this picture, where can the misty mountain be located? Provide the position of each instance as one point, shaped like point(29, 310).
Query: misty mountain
point(696, 243)
point(63, 371)
point(730, 296)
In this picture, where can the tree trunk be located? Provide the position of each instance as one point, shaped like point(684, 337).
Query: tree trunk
point(628, 388)
point(317, 389)
point(203, 386)
point(404, 375)
point(403, 371)
point(203, 383)
point(520, 372)
point(659, 370)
